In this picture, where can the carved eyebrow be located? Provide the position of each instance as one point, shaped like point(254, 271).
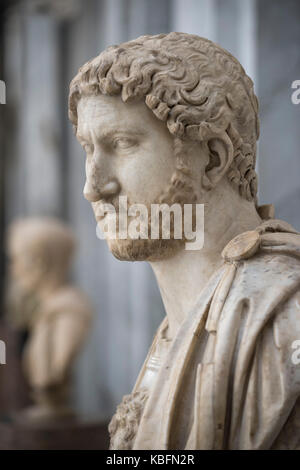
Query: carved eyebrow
point(109, 133)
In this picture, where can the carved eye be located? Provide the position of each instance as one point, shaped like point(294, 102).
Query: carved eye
point(123, 143)
point(88, 148)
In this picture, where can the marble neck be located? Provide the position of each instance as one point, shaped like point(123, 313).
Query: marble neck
point(182, 277)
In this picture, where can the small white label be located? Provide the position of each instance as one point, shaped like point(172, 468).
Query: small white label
point(2, 352)
point(2, 92)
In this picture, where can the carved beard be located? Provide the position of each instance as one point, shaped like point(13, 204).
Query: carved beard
point(179, 191)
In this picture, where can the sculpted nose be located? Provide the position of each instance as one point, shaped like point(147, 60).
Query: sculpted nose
point(90, 193)
point(93, 195)
point(100, 184)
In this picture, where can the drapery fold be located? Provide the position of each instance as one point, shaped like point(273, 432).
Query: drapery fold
point(243, 385)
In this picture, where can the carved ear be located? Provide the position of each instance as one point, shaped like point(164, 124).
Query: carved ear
point(220, 150)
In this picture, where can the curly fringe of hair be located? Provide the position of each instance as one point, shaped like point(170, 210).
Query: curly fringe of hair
point(193, 85)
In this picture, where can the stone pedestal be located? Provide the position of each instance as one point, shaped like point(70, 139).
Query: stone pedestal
point(68, 435)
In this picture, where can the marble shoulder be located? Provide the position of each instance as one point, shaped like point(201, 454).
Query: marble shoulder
point(267, 275)
point(263, 254)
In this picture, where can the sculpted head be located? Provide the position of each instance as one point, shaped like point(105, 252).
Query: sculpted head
point(40, 251)
point(166, 118)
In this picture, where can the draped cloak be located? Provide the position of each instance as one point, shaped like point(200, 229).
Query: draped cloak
point(229, 380)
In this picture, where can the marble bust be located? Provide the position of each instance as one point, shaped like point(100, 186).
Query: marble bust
point(168, 119)
point(40, 252)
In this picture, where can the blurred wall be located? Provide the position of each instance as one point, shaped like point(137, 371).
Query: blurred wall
point(46, 42)
point(278, 65)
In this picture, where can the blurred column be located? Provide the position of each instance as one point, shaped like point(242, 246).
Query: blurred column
point(112, 18)
point(36, 188)
point(41, 118)
point(278, 66)
point(195, 17)
point(149, 17)
point(247, 36)
point(232, 24)
point(237, 31)
point(14, 39)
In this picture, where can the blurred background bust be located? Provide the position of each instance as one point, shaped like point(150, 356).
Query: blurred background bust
point(56, 314)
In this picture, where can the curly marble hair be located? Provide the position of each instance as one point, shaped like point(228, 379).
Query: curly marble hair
point(125, 422)
point(197, 88)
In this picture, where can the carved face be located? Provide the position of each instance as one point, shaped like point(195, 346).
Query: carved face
point(26, 268)
point(129, 153)
point(124, 143)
